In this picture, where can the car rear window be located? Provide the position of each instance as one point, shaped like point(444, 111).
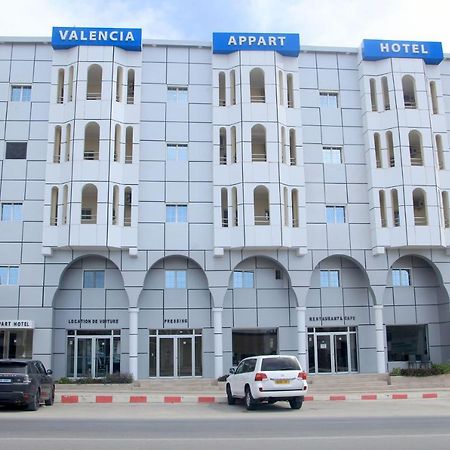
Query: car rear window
point(279, 364)
point(12, 368)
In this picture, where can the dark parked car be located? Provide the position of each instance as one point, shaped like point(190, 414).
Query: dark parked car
point(25, 382)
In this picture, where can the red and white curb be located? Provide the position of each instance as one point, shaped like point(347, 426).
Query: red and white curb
point(174, 399)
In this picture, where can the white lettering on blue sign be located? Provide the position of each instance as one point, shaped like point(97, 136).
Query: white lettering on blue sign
point(374, 50)
point(126, 38)
point(286, 44)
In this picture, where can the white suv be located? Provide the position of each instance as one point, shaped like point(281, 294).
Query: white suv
point(267, 378)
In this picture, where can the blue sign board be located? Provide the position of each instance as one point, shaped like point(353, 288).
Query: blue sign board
point(285, 44)
point(374, 50)
point(126, 38)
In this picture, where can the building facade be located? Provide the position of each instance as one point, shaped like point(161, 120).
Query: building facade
point(171, 209)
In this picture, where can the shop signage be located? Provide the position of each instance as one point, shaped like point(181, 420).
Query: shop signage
point(331, 318)
point(16, 324)
point(92, 321)
point(374, 50)
point(68, 37)
point(175, 321)
point(287, 44)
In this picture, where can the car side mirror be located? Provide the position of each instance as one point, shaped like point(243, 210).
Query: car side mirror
point(49, 372)
point(232, 370)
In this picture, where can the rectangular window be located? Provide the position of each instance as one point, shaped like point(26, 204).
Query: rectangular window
point(177, 94)
point(175, 279)
point(176, 152)
point(328, 99)
point(335, 214)
point(329, 278)
point(176, 213)
point(9, 275)
point(407, 343)
point(243, 279)
point(94, 279)
point(401, 277)
point(332, 155)
point(11, 212)
point(20, 93)
point(16, 150)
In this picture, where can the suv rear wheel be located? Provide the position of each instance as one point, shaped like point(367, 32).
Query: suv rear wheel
point(51, 400)
point(296, 402)
point(34, 403)
point(250, 403)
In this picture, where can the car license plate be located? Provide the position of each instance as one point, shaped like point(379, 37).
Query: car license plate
point(281, 381)
point(5, 380)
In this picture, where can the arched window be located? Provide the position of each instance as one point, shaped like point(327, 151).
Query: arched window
point(395, 208)
point(130, 86)
point(54, 207)
point(68, 141)
point(222, 89)
point(233, 145)
point(259, 152)
point(383, 209)
point(420, 207)
point(440, 152)
point(283, 145)
point(234, 205)
point(223, 146)
point(378, 160)
point(57, 145)
point(89, 204)
point(233, 87)
point(261, 205)
point(65, 203)
point(60, 88)
point(117, 143)
point(445, 209)
point(286, 206)
point(280, 87)
point(390, 146)
point(115, 205)
point(409, 92)
point(290, 90)
point(70, 85)
point(373, 94)
point(415, 148)
point(385, 89)
point(257, 86)
point(295, 221)
point(127, 201)
point(119, 84)
point(434, 99)
point(224, 207)
point(92, 141)
point(129, 145)
point(94, 83)
point(292, 147)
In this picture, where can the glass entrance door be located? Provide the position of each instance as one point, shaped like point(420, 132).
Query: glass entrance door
point(84, 357)
point(332, 350)
point(175, 355)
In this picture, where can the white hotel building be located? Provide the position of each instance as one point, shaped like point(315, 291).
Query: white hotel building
point(168, 211)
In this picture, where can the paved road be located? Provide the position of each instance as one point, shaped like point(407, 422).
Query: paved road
point(356, 425)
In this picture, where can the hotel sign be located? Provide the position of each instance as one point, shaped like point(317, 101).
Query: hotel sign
point(68, 37)
point(374, 50)
point(285, 44)
point(17, 324)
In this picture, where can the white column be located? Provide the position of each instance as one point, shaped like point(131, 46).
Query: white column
point(218, 342)
point(379, 330)
point(301, 336)
point(133, 342)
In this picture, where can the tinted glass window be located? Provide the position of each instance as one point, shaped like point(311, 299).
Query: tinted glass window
point(16, 150)
point(280, 364)
point(12, 368)
point(250, 366)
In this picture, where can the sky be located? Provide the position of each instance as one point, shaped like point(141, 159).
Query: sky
point(334, 23)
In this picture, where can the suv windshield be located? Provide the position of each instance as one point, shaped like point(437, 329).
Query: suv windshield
point(279, 364)
point(12, 368)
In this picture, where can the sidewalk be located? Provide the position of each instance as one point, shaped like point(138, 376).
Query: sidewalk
point(208, 391)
